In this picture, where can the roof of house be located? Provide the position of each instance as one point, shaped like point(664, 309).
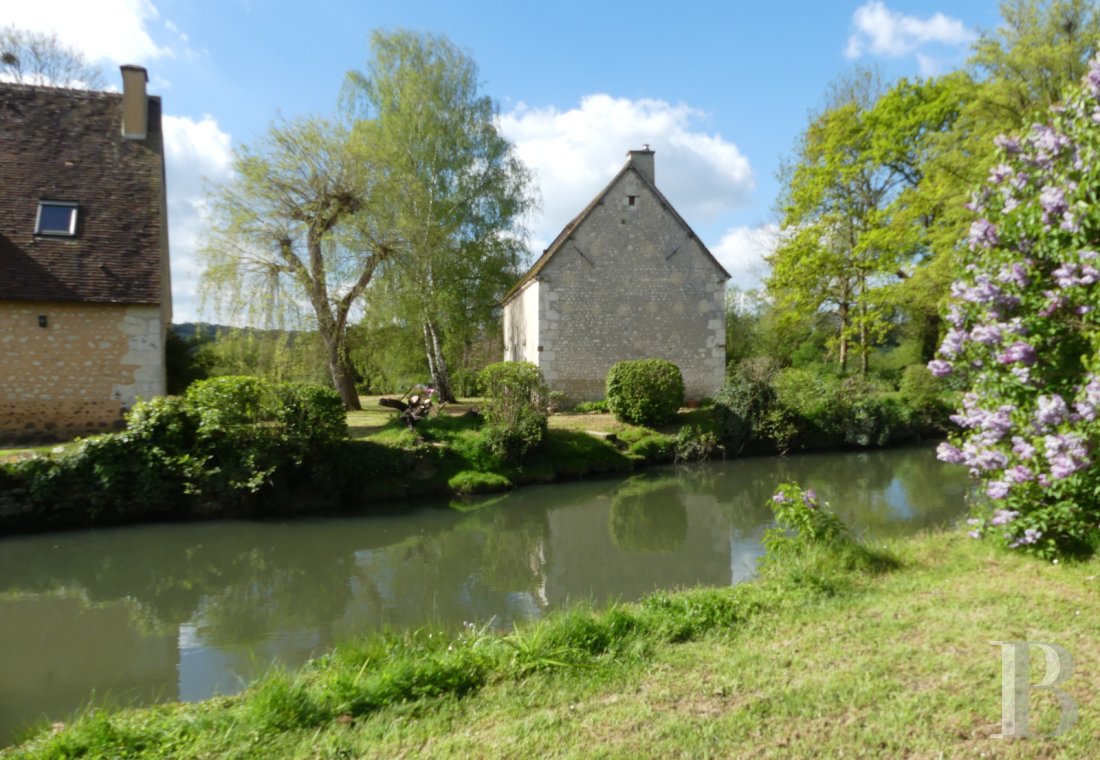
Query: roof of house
point(567, 232)
point(67, 145)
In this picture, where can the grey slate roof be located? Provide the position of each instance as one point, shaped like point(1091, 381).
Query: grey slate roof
point(569, 229)
point(67, 145)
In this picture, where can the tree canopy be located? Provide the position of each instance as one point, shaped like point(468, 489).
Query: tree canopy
point(41, 59)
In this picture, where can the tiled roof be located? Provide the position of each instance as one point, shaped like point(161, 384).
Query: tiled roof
point(67, 145)
point(567, 231)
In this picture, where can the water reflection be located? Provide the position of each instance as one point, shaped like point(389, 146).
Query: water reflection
point(185, 611)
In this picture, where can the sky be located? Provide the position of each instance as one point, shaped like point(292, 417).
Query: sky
point(720, 90)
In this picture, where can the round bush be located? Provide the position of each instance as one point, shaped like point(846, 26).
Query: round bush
point(644, 391)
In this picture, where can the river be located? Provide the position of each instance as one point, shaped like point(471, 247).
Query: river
point(185, 611)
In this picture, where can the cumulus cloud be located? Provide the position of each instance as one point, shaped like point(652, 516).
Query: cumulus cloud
point(575, 152)
point(118, 31)
point(742, 251)
point(881, 31)
point(196, 153)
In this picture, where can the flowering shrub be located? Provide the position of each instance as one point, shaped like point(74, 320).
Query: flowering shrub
point(1023, 333)
point(802, 520)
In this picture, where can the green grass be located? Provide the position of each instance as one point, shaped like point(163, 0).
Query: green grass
point(880, 653)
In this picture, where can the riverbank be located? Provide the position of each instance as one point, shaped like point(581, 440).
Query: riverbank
point(826, 653)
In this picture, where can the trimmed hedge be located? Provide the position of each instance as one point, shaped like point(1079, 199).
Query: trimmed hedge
point(515, 414)
point(644, 391)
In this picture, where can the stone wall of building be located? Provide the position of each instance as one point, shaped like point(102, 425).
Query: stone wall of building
point(631, 283)
point(79, 373)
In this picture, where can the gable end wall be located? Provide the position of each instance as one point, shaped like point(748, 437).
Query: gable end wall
point(630, 284)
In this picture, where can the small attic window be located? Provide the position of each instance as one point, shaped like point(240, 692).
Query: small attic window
point(57, 218)
point(631, 200)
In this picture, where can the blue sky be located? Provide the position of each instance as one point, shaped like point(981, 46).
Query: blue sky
point(720, 90)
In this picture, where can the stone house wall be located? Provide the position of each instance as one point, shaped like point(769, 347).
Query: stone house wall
point(79, 373)
point(632, 282)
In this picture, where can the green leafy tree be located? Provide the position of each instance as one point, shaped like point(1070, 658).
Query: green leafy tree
point(834, 251)
point(456, 190)
point(297, 238)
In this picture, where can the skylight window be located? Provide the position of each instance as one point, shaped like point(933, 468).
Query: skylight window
point(56, 218)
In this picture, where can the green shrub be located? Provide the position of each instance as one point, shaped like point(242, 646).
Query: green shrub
point(474, 481)
point(693, 444)
point(587, 407)
point(310, 418)
point(515, 411)
point(872, 420)
point(920, 389)
point(813, 396)
point(559, 401)
point(644, 391)
point(741, 409)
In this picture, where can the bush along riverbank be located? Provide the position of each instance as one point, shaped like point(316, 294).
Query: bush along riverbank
point(243, 447)
point(836, 647)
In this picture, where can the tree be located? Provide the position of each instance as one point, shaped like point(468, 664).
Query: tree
point(297, 236)
point(41, 59)
point(833, 252)
point(455, 189)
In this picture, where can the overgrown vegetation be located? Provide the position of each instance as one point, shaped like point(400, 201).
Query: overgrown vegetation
point(515, 415)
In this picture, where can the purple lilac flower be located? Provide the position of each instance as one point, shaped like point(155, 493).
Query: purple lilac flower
point(940, 368)
point(1050, 411)
point(999, 172)
point(1019, 474)
point(983, 234)
point(1054, 303)
point(945, 452)
point(1070, 223)
point(1016, 274)
point(1008, 144)
point(1090, 275)
point(1093, 78)
point(1022, 448)
point(1031, 536)
point(1018, 352)
point(953, 343)
point(1023, 374)
point(1004, 517)
point(955, 315)
point(810, 497)
point(1067, 453)
point(997, 489)
point(1052, 199)
point(1011, 204)
point(990, 335)
point(974, 534)
point(1066, 275)
point(1089, 399)
point(779, 498)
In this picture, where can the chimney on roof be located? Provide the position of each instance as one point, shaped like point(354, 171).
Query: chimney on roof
point(642, 160)
point(135, 104)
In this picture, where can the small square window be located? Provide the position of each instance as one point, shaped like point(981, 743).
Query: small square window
point(56, 218)
point(631, 200)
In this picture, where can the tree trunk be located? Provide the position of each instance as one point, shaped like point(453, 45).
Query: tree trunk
point(842, 351)
point(441, 378)
point(863, 325)
point(339, 367)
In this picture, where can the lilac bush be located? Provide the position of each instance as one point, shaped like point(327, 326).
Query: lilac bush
point(1023, 335)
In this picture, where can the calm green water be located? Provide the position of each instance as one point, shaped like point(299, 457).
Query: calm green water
point(165, 612)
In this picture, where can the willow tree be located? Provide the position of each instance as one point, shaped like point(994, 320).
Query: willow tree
point(296, 238)
point(454, 189)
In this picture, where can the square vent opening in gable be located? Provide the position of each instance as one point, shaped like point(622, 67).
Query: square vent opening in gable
point(56, 218)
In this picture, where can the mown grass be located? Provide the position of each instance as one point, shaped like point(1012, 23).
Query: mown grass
point(879, 653)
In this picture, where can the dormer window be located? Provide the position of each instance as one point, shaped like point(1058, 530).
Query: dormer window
point(56, 218)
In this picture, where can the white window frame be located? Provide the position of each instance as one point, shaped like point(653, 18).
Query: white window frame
point(57, 204)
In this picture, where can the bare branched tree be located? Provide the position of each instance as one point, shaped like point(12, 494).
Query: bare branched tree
point(41, 59)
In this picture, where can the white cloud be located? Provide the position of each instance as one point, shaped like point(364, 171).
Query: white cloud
point(881, 31)
point(196, 153)
point(742, 251)
point(105, 30)
point(574, 153)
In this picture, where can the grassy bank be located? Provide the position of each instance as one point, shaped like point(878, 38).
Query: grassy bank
point(882, 653)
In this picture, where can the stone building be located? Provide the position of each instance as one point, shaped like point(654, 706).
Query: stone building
point(626, 279)
point(84, 282)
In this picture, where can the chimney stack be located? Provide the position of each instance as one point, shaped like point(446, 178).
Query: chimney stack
point(642, 160)
point(135, 104)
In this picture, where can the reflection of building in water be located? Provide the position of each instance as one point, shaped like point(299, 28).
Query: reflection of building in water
point(51, 648)
point(593, 554)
